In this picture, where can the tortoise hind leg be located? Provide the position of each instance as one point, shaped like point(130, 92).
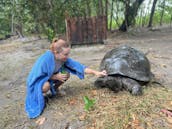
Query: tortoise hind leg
point(132, 86)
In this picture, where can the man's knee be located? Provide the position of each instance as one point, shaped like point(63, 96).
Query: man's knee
point(46, 87)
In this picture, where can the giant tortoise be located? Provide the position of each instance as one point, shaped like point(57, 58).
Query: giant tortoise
point(127, 68)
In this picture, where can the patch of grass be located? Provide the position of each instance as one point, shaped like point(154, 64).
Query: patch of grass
point(122, 110)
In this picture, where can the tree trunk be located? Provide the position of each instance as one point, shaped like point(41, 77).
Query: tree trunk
point(12, 24)
point(111, 16)
point(12, 19)
point(106, 14)
point(162, 13)
point(19, 31)
point(170, 21)
point(130, 14)
point(100, 7)
point(141, 18)
point(144, 18)
point(152, 13)
point(88, 8)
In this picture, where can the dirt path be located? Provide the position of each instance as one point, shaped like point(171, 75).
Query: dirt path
point(16, 59)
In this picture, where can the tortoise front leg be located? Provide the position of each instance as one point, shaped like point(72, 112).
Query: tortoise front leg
point(132, 86)
point(100, 82)
point(113, 83)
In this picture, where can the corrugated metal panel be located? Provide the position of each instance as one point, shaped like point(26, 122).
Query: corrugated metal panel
point(86, 30)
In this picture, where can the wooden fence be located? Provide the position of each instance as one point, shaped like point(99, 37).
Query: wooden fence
point(86, 30)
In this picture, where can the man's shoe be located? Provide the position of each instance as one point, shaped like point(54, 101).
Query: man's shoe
point(46, 99)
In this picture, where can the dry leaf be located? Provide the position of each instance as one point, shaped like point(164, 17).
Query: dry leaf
point(139, 127)
point(134, 116)
point(169, 120)
point(91, 128)
point(40, 121)
point(127, 126)
point(82, 117)
point(114, 100)
point(103, 104)
point(61, 114)
point(94, 92)
point(135, 123)
point(94, 123)
point(72, 101)
point(103, 95)
point(163, 66)
point(8, 96)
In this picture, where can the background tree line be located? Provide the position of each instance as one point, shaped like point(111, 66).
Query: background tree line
point(23, 17)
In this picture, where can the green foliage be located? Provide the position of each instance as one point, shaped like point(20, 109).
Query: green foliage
point(36, 16)
point(89, 103)
point(50, 34)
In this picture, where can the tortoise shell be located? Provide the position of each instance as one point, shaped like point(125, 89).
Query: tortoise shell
point(127, 61)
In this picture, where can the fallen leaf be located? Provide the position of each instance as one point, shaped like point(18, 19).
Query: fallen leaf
point(114, 100)
point(171, 103)
point(82, 117)
point(139, 127)
point(135, 123)
point(73, 101)
point(40, 121)
point(59, 113)
point(91, 128)
point(94, 124)
point(103, 104)
point(8, 95)
point(127, 126)
point(94, 92)
point(103, 95)
point(163, 66)
point(134, 117)
point(169, 120)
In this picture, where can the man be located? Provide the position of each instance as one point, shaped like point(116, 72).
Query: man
point(46, 75)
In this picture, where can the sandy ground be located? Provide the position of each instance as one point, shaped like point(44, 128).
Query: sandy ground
point(17, 58)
